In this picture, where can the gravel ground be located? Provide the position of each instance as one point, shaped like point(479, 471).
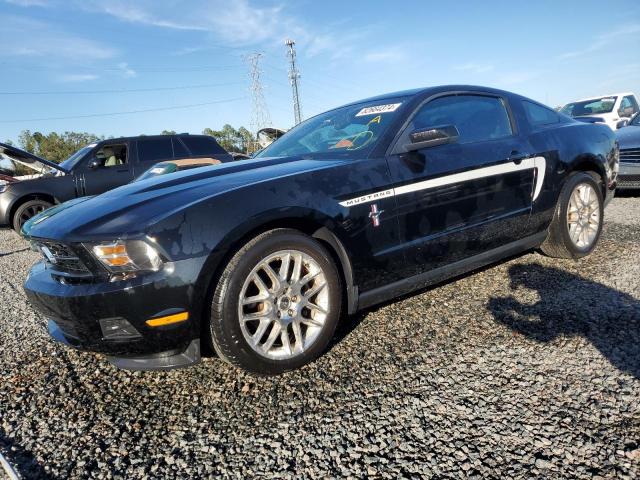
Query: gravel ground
point(530, 368)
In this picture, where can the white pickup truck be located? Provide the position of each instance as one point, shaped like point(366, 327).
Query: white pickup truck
point(614, 110)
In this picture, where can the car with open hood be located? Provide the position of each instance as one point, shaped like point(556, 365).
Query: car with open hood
point(258, 260)
point(37, 184)
point(612, 110)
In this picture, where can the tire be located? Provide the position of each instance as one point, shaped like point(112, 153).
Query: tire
point(27, 210)
point(571, 216)
point(258, 343)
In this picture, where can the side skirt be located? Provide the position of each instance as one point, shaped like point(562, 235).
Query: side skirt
point(407, 285)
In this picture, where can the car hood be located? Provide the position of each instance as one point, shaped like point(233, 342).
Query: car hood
point(591, 118)
point(629, 136)
point(13, 157)
point(48, 213)
point(125, 211)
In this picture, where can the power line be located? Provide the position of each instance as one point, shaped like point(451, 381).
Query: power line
point(123, 90)
point(141, 68)
point(91, 115)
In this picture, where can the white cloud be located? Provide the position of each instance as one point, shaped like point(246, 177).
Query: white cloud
point(28, 3)
point(602, 41)
point(20, 36)
point(126, 71)
point(514, 78)
point(386, 55)
point(474, 67)
point(77, 77)
point(237, 22)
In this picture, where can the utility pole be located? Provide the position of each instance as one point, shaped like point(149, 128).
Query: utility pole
point(293, 78)
point(260, 117)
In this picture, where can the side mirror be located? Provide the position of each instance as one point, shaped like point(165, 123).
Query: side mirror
point(432, 136)
point(94, 163)
point(622, 123)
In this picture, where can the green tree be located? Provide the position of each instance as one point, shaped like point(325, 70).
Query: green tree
point(54, 146)
point(168, 132)
point(230, 139)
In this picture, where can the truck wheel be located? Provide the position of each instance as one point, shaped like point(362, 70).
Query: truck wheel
point(27, 210)
point(277, 303)
point(577, 221)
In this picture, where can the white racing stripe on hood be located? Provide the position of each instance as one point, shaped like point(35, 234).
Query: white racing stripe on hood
point(537, 163)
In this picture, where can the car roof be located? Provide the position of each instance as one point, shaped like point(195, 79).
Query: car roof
point(432, 90)
point(601, 96)
point(140, 137)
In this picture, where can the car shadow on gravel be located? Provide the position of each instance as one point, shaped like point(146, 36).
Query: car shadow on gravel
point(21, 460)
point(6, 254)
point(569, 305)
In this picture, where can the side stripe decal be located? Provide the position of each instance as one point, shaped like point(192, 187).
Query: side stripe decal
point(537, 163)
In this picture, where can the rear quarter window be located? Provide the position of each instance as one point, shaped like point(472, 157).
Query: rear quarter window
point(539, 115)
point(203, 145)
point(155, 149)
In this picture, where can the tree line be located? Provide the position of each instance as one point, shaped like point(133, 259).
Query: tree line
point(59, 146)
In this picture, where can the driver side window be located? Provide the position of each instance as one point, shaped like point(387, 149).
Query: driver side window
point(478, 118)
point(112, 155)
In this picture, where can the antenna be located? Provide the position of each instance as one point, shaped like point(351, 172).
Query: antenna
point(293, 78)
point(260, 117)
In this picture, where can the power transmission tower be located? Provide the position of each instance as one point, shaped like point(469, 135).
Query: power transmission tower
point(260, 117)
point(294, 75)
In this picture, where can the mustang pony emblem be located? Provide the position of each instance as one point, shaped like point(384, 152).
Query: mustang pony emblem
point(374, 215)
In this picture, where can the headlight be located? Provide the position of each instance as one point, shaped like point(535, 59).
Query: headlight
point(3, 187)
point(127, 256)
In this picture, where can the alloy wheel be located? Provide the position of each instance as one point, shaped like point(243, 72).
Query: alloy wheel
point(283, 304)
point(583, 215)
point(31, 212)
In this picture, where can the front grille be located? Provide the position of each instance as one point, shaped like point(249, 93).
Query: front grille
point(629, 181)
point(61, 257)
point(630, 155)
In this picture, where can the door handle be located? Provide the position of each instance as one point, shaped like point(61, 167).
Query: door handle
point(517, 157)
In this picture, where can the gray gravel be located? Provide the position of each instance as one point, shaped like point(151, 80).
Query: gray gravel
point(530, 368)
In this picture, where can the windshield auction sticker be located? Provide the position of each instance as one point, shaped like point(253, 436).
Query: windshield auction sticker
point(391, 107)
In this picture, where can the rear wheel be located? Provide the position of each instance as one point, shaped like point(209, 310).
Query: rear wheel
point(577, 222)
point(277, 303)
point(28, 210)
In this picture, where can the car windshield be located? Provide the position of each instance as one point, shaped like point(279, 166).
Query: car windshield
point(346, 131)
point(71, 162)
point(594, 106)
point(635, 121)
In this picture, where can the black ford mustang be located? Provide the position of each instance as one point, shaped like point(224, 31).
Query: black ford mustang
point(353, 207)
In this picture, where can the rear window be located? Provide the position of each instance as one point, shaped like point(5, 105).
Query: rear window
point(539, 115)
point(203, 145)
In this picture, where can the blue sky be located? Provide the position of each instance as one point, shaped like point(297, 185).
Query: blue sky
point(155, 57)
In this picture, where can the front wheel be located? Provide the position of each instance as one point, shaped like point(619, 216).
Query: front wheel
point(577, 222)
point(277, 303)
point(28, 210)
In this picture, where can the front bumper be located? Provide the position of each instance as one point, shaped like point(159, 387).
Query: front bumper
point(629, 175)
point(85, 315)
point(6, 202)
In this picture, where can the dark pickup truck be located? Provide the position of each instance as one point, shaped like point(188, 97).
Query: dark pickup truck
point(30, 185)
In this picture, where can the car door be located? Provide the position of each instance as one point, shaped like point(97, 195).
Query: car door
point(151, 151)
point(628, 107)
point(468, 195)
point(109, 166)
